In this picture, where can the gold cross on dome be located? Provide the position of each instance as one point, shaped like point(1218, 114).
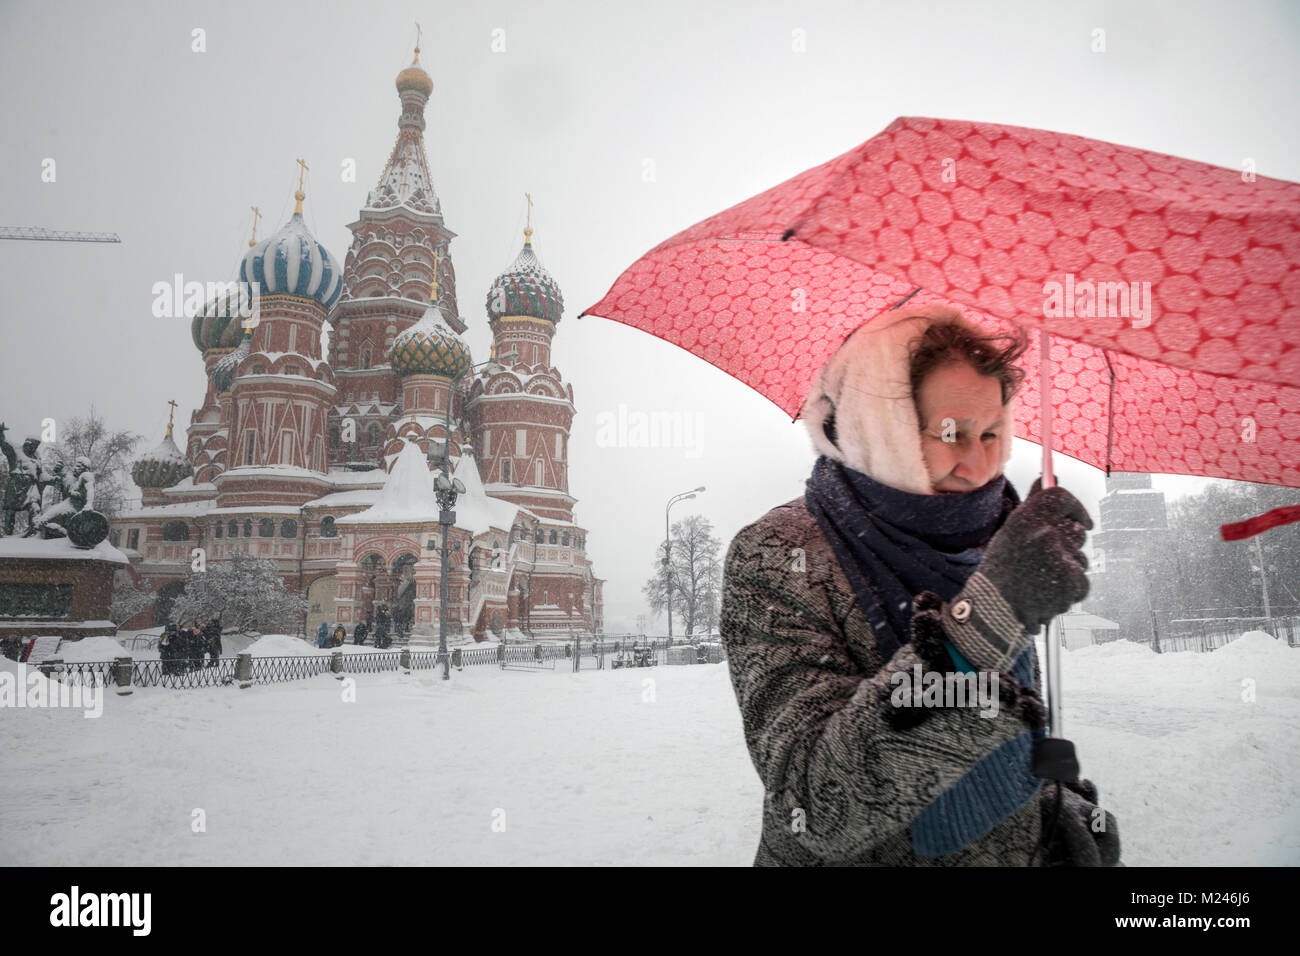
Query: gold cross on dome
point(257, 214)
point(170, 417)
point(305, 167)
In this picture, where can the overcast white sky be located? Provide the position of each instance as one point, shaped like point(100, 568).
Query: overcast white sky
point(169, 148)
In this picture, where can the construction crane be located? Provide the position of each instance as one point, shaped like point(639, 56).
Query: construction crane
point(55, 235)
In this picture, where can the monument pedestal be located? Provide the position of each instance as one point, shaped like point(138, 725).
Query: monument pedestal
point(52, 587)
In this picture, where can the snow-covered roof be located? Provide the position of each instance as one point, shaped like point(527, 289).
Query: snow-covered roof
point(253, 510)
point(476, 510)
point(274, 471)
point(407, 495)
point(1083, 619)
point(373, 478)
point(58, 548)
point(182, 509)
point(345, 499)
point(186, 486)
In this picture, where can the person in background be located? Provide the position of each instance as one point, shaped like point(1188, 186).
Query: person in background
point(322, 634)
point(212, 635)
point(167, 649)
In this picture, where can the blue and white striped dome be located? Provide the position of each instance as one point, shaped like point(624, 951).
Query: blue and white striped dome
point(292, 262)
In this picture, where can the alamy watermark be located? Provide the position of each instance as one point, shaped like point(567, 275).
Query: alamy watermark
point(637, 429)
point(917, 688)
point(30, 688)
point(1085, 299)
point(181, 299)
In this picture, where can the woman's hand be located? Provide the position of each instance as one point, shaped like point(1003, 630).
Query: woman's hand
point(1036, 560)
point(1032, 570)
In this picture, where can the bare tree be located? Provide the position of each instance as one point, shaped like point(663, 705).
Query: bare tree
point(129, 599)
point(696, 575)
point(109, 453)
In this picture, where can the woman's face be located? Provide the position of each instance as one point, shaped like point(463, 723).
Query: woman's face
point(961, 427)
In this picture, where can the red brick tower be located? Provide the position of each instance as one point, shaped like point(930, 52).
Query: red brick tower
point(387, 274)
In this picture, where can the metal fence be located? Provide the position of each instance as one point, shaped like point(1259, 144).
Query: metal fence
point(600, 654)
point(88, 673)
point(1208, 634)
point(269, 670)
point(175, 674)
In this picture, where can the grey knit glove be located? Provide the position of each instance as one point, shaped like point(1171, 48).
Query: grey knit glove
point(1082, 836)
point(1033, 569)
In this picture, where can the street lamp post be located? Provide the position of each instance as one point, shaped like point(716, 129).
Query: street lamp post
point(668, 574)
point(447, 489)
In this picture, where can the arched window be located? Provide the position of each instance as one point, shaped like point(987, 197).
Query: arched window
point(327, 529)
point(266, 528)
point(133, 539)
point(218, 528)
point(552, 536)
point(374, 435)
point(537, 536)
point(232, 528)
point(248, 527)
point(176, 531)
point(505, 469)
point(365, 358)
point(288, 528)
point(564, 539)
point(334, 436)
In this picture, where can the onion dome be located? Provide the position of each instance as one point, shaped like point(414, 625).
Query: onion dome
point(526, 288)
point(292, 262)
point(162, 467)
point(223, 373)
point(219, 324)
point(414, 78)
point(430, 347)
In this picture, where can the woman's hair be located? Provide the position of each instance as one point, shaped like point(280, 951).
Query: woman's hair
point(944, 343)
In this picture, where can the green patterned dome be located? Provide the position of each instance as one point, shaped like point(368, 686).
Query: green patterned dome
point(219, 325)
point(526, 288)
point(430, 347)
point(162, 467)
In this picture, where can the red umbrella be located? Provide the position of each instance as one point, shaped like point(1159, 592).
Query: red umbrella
point(1170, 288)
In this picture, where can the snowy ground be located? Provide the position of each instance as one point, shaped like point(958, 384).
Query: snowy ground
point(636, 766)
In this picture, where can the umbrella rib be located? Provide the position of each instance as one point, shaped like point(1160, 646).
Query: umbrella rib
point(1110, 410)
point(900, 302)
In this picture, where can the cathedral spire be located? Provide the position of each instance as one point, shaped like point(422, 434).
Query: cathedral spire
point(405, 180)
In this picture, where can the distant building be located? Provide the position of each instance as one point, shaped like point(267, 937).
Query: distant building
point(288, 457)
point(1133, 529)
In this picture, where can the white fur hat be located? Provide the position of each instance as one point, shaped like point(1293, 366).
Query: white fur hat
point(866, 386)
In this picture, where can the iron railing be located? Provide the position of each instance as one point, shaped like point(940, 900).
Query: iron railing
point(171, 674)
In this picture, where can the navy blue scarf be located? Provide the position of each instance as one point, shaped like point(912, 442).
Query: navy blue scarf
point(892, 545)
point(895, 544)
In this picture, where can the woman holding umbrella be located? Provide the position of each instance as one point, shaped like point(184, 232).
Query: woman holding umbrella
point(909, 555)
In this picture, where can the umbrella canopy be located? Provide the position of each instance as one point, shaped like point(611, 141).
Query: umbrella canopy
point(1171, 288)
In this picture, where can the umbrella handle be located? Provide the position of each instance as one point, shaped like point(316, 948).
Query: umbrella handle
point(1045, 404)
point(1052, 633)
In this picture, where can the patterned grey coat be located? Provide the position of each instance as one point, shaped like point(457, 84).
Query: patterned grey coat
point(842, 785)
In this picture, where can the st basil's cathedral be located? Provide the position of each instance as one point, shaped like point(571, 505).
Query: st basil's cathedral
point(325, 464)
